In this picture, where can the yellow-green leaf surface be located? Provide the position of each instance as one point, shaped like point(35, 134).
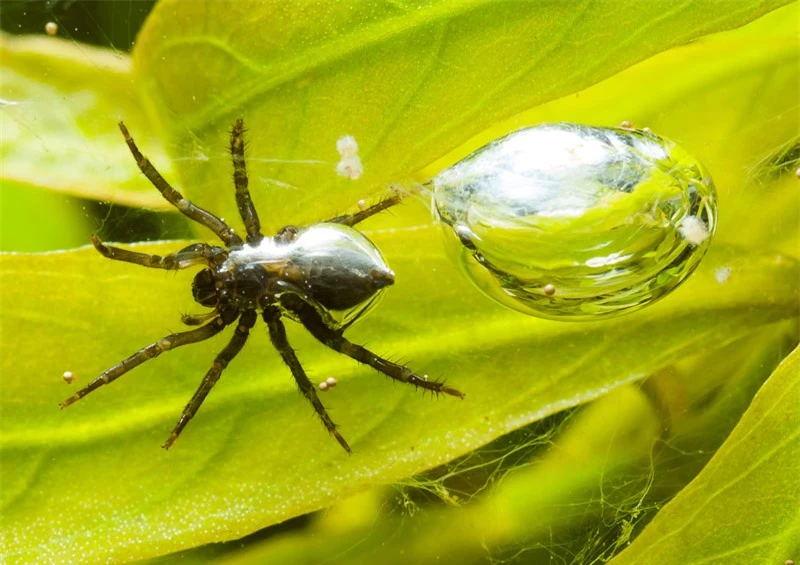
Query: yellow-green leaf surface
point(256, 455)
point(410, 80)
point(59, 107)
point(743, 507)
point(603, 464)
point(33, 219)
point(621, 425)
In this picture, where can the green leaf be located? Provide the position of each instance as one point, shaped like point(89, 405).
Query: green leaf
point(593, 477)
point(128, 499)
point(743, 507)
point(533, 499)
point(60, 106)
point(410, 80)
point(39, 220)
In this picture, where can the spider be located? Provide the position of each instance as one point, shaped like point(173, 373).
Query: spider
point(308, 274)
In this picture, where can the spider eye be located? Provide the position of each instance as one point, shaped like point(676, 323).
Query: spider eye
point(204, 288)
point(566, 221)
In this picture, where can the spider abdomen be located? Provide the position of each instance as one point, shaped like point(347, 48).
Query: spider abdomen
point(335, 266)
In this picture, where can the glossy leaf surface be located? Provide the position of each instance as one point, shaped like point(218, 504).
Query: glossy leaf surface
point(60, 106)
point(98, 465)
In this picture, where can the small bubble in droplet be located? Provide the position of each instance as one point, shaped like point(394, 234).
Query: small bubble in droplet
point(332, 382)
point(51, 28)
point(694, 230)
point(323, 386)
point(68, 377)
point(549, 290)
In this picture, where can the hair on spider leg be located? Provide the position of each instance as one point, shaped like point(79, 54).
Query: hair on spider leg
point(306, 273)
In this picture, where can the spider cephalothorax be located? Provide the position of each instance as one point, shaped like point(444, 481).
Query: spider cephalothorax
point(324, 276)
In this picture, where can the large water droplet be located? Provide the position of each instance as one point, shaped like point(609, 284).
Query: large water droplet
point(567, 221)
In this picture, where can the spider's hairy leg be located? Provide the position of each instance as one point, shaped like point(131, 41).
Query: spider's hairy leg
point(243, 201)
point(277, 333)
point(196, 254)
point(397, 195)
point(246, 322)
point(314, 323)
point(153, 350)
point(199, 215)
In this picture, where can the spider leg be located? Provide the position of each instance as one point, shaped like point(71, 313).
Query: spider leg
point(383, 204)
point(243, 201)
point(314, 323)
point(277, 333)
point(153, 350)
point(246, 322)
point(199, 215)
point(196, 254)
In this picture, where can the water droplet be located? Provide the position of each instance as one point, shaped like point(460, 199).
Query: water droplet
point(566, 221)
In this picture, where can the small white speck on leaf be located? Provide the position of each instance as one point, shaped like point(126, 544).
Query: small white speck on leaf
point(347, 146)
point(349, 166)
point(722, 274)
point(69, 377)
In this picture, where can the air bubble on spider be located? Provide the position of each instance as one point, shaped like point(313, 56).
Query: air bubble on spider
point(567, 221)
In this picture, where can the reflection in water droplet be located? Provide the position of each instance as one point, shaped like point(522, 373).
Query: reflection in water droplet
point(566, 221)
